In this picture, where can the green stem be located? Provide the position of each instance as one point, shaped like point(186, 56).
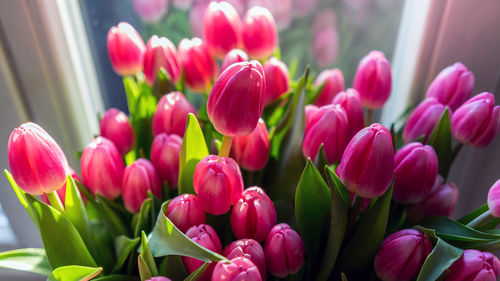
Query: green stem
point(353, 215)
point(368, 120)
point(225, 148)
point(481, 220)
point(55, 201)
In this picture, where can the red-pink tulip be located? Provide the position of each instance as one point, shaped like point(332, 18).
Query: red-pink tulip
point(373, 80)
point(476, 266)
point(327, 125)
point(115, 126)
point(139, 178)
point(236, 100)
point(218, 183)
point(452, 86)
point(326, 45)
point(477, 121)
point(198, 65)
point(494, 199)
point(165, 152)
point(252, 151)
point(238, 269)
point(126, 49)
point(350, 102)
point(61, 192)
point(158, 278)
point(249, 249)
point(277, 77)
point(36, 161)
point(161, 53)
point(171, 114)
point(423, 120)
point(281, 11)
point(221, 28)
point(402, 255)
point(284, 251)
point(333, 81)
point(185, 211)
point(205, 236)
point(150, 11)
point(234, 56)
point(260, 36)
point(367, 165)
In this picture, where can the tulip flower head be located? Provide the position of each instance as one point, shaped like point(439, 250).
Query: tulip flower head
point(494, 199)
point(126, 49)
point(326, 46)
point(277, 77)
point(423, 120)
point(116, 127)
point(165, 153)
point(234, 56)
point(158, 278)
point(252, 151)
point(351, 103)
point(249, 249)
point(281, 11)
point(150, 11)
point(333, 82)
point(205, 236)
point(185, 211)
point(171, 114)
point(260, 36)
point(139, 178)
point(222, 28)
point(198, 65)
point(474, 265)
point(61, 192)
point(239, 268)
point(161, 53)
point(284, 251)
point(373, 80)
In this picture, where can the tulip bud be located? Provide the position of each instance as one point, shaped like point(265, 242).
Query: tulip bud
point(165, 152)
point(249, 249)
point(158, 278)
point(402, 255)
point(284, 251)
point(171, 114)
point(350, 102)
point(477, 121)
point(239, 268)
point(236, 100)
point(221, 28)
point(253, 215)
point(415, 169)
point(102, 168)
point(126, 49)
point(150, 11)
point(333, 81)
point(277, 78)
point(234, 56)
point(160, 52)
point(61, 192)
point(260, 36)
point(325, 125)
point(474, 265)
point(218, 183)
point(185, 211)
point(139, 178)
point(367, 165)
point(281, 11)
point(452, 86)
point(373, 80)
point(441, 201)
point(326, 45)
point(423, 120)
point(252, 151)
point(36, 161)
point(205, 236)
point(199, 66)
point(115, 126)
point(494, 199)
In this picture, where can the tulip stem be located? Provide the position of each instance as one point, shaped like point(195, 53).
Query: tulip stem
point(368, 120)
point(354, 214)
point(225, 147)
point(456, 151)
point(481, 220)
point(55, 201)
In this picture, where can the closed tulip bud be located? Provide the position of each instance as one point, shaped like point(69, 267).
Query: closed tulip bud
point(474, 265)
point(102, 168)
point(277, 77)
point(234, 56)
point(161, 53)
point(171, 114)
point(36, 161)
point(326, 45)
point(198, 65)
point(333, 81)
point(236, 100)
point(221, 28)
point(327, 125)
point(402, 255)
point(284, 251)
point(452, 86)
point(252, 151)
point(477, 121)
point(218, 183)
point(373, 80)
point(61, 192)
point(494, 199)
point(367, 165)
point(239, 268)
point(350, 102)
point(249, 249)
point(165, 152)
point(253, 215)
point(115, 126)
point(423, 120)
point(126, 49)
point(205, 236)
point(139, 178)
point(415, 169)
point(158, 278)
point(260, 36)
point(185, 211)
point(441, 201)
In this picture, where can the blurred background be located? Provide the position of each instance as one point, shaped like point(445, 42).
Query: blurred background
point(55, 70)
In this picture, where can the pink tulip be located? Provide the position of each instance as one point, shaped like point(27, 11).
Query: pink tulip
point(284, 251)
point(252, 151)
point(333, 81)
point(150, 11)
point(326, 46)
point(199, 66)
point(218, 183)
point(158, 278)
point(165, 152)
point(115, 126)
point(260, 36)
point(161, 53)
point(196, 15)
point(171, 114)
point(402, 255)
point(281, 11)
point(323, 19)
point(452, 86)
point(102, 168)
point(221, 28)
point(139, 178)
point(476, 266)
point(277, 77)
point(185, 211)
point(36, 161)
point(205, 236)
point(249, 249)
point(126, 49)
point(236, 100)
point(494, 199)
point(477, 121)
point(302, 8)
point(367, 165)
point(61, 192)
point(234, 56)
point(350, 102)
point(373, 80)
point(423, 120)
point(238, 269)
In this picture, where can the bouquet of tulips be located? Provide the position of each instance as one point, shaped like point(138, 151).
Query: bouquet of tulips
point(244, 173)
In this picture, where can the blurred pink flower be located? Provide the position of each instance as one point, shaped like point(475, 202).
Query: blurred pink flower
point(281, 11)
point(326, 46)
point(302, 8)
point(150, 10)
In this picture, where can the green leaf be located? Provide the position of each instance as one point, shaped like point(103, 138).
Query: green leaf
point(449, 229)
point(74, 273)
point(124, 246)
point(30, 259)
point(197, 273)
point(334, 181)
point(143, 217)
point(440, 139)
point(22, 198)
point(474, 214)
point(439, 260)
point(193, 150)
point(163, 84)
point(173, 267)
point(132, 91)
point(144, 271)
point(147, 256)
point(321, 161)
point(312, 210)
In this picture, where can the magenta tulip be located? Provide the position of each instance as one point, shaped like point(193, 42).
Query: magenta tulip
point(138, 179)
point(221, 28)
point(126, 49)
point(423, 120)
point(115, 126)
point(238, 269)
point(61, 192)
point(205, 236)
point(284, 251)
point(185, 211)
point(333, 82)
point(249, 249)
point(260, 35)
point(277, 77)
point(171, 114)
point(158, 278)
point(373, 80)
point(165, 152)
point(349, 100)
point(161, 53)
point(198, 65)
point(252, 151)
point(494, 199)
point(476, 266)
point(234, 56)
point(150, 11)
